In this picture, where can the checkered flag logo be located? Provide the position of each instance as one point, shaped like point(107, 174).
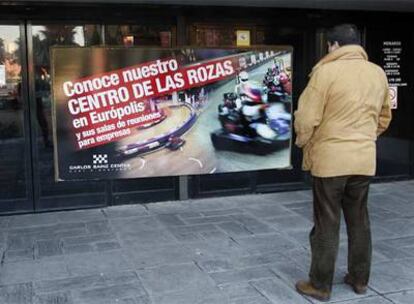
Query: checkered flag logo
point(99, 159)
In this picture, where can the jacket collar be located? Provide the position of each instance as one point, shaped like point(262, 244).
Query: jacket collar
point(346, 52)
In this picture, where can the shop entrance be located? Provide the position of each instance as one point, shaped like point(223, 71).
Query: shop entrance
point(27, 181)
point(26, 141)
point(16, 186)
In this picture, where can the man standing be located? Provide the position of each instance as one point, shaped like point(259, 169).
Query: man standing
point(342, 111)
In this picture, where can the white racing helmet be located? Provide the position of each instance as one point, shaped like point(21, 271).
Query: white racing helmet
point(244, 76)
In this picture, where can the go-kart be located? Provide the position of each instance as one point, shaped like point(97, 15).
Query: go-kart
point(174, 143)
point(242, 133)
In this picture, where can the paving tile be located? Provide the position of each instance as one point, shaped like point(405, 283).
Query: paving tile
point(190, 214)
point(288, 196)
point(221, 212)
point(20, 242)
point(11, 256)
point(147, 238)
point(379, 233)
point(80, 215)
point(214, 235)
point(208, 220)
point(276, 291)
point(186, 236)
point(381, 214)
point(226, 264)
point(104, 246)
point(366, 300)
point(275, 210)
point(170, 220)
point(404, 195)
point(170, 207)
point(300, 236)
point(253, 224)
point(268, 243)
point(4, 222)
point(290, 273)
point(256, 300)
point(405, 297)
point(205, 295)
point(110, 294)
point(47, 248)
point(157, 255)
point(27, 271)
point(28, 220)
point(217, 265)
point(305, 209)
point(394, 204)
point(85, 282)
point(400, 241)
point(125, 211)
point(80, 248)
point(194, 233)
point(400, 227)
point(391, 252)
point(391, 277)
point(96, 262)
point(234, 229)
point(88, 239)
point(98, 227)
point(53, 231)
point(240, 290)
point(123, 277)
point(216, 250)
point(67, 284)
point(16, 294)
point(193, 228)
point(134, 224)
point(170, 278)
point(243, 275)
point(54, 298)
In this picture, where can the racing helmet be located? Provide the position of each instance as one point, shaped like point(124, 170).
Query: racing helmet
point(255, 92)
point(244, 76)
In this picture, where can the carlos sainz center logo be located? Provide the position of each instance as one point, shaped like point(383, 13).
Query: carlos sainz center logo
point(99, 162)
point(99, 159)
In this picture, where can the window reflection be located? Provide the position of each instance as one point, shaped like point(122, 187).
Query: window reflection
point(44, 37)
point(213, 36)
point(12, 137)
point(139, 35)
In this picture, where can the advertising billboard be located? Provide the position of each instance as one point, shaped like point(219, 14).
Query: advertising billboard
point(146, 112)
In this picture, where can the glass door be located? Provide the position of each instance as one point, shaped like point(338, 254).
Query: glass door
point(48, 193)
point(15, 158)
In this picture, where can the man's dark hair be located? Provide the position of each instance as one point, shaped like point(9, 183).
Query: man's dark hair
point(344, 34)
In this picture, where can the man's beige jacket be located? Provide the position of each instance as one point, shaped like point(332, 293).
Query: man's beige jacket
point(343, 109)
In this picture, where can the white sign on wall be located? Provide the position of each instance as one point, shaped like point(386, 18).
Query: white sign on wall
point(394, 96)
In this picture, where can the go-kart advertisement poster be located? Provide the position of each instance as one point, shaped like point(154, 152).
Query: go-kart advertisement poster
point(148, 112)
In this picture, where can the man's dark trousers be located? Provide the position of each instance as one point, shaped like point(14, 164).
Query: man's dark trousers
point(330, 195)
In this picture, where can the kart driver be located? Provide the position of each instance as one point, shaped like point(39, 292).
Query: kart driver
point(253, 110)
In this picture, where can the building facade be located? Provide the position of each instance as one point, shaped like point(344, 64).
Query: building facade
point(29, 28)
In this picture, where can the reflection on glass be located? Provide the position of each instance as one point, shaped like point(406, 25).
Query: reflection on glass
point(44, 37)
point(12, 137)
point(141, 35)
point(213, 36)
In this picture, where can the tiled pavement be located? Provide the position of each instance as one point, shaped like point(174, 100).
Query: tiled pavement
point(234, 250)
